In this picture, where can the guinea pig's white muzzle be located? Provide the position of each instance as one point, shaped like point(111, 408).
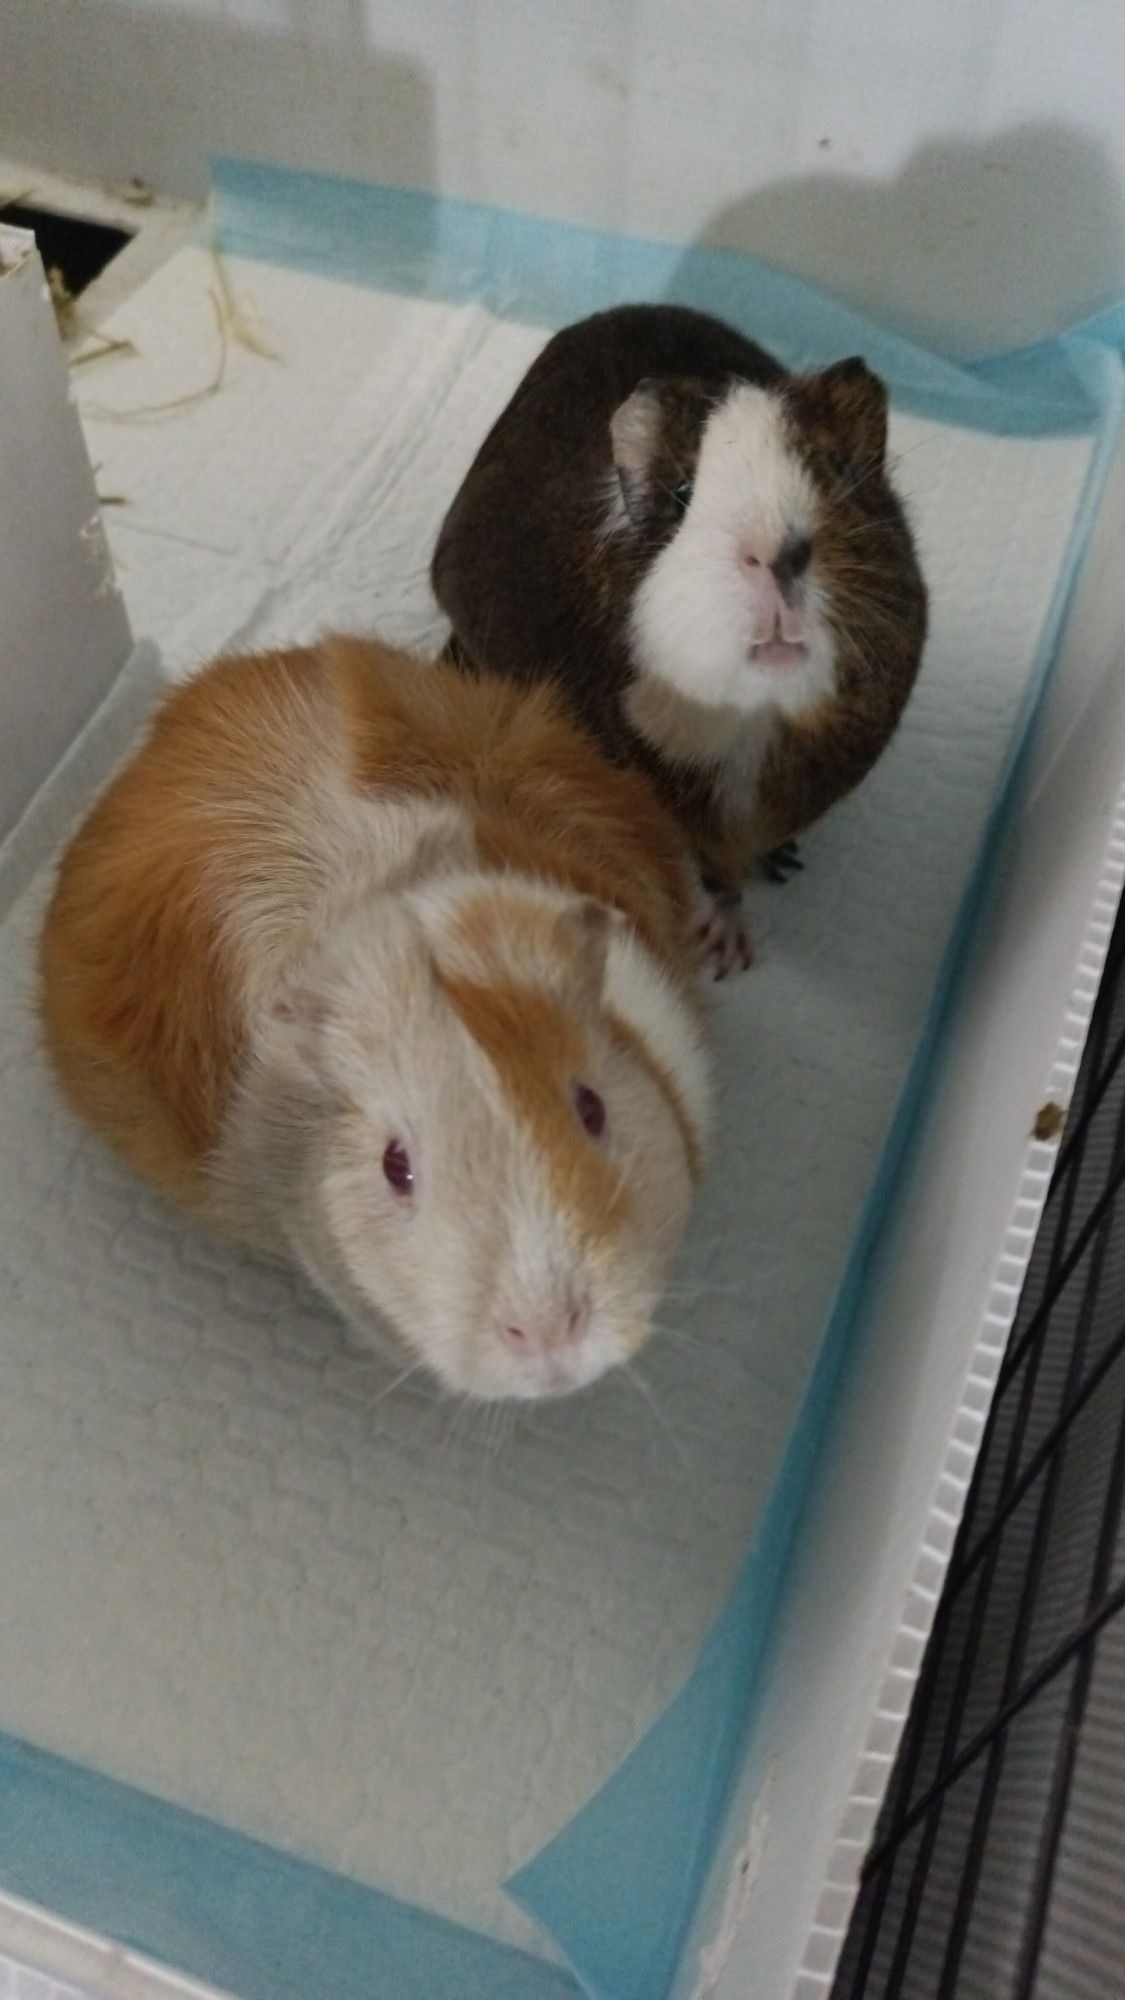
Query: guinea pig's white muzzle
point(778, 627)
point(553, 1349)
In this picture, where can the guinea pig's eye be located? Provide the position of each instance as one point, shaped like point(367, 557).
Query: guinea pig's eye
point(397, 1167)
point(681, 496)
point(591, 1109)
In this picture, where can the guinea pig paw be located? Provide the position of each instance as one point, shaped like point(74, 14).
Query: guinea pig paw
point(782, 862)
point(722, 937)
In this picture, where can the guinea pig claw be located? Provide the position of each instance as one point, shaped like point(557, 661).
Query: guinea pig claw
point(721, 935)
point(782, 862)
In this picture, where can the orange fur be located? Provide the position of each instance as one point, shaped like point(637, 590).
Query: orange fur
point(544, 799)
point(144, 990)
point(537, 1055)
point(627, 1038)
point(139, 989)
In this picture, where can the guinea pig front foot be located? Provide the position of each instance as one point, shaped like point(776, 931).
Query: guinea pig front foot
point(782, 862)
point(720, 932)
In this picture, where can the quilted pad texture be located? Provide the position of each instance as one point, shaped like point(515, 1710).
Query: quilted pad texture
point(240, 1569)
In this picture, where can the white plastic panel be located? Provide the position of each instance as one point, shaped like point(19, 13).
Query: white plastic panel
point(912, 157)
point(63, 629)
point(881, 1528)
point(46, 1959)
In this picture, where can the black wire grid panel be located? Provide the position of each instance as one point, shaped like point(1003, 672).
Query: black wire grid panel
point(998, 1867)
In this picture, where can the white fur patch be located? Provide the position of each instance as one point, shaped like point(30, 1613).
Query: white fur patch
point(481, 1243)
point(636, 987)
point(640, 992)
point(694, 619)
point(441, 903)
point(333, 847)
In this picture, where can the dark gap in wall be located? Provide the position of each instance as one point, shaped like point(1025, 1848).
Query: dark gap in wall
point(70, 244)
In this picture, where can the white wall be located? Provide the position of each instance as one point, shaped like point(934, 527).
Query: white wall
point(64, 634)
point(957, 165)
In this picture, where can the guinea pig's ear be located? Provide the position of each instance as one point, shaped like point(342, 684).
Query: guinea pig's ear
point(581, 937)
point(634, 430)
point(851, 402)
point(302, 1020)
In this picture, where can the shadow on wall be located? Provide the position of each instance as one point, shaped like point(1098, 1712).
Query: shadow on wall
point(108, 87)
point(971, 248)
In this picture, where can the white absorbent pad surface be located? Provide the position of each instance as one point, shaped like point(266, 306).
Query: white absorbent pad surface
point(237, 1569)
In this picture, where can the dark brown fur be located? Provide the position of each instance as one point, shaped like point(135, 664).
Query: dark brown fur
point(535, 588)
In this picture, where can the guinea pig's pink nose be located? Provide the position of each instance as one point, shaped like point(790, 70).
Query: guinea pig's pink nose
point(785, 561)
point(544, 1333)
point(765, 602)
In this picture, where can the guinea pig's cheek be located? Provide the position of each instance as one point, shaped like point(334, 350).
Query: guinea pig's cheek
point(690, 625)
point(597, 1354)
point(815, 680)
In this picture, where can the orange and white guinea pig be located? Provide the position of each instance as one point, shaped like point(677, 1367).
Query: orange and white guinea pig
point(386, 970)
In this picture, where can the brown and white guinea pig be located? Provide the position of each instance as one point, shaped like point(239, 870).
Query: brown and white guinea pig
point(382, 968)
point(707, 555)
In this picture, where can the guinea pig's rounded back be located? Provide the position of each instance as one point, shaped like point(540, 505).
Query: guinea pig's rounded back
point(507, 1165)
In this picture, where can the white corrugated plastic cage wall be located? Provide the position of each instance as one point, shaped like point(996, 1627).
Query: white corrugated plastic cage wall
point(915, 161)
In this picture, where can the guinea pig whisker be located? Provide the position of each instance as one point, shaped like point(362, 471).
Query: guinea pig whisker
point(691, 1331)
point(648, 1396)
point(881, 464)
point(868, 530)
point(847, 575)
point(397, 1382)
point(844, 487)
point(895, 458)
point(856, 584)
point(892, 460)
point(430, 1419)
point(684, 1337)
point(503, 1429)
point(490, 1435)
point(445, 1415)
point(885, 626)
point(696, 1281)
point(679, 1334)
point(454, 1429)
point(865, 606)
point(857, 565)
point(692, 1294)
point(465, 1426)
point(485, 1435)
point(867, 654)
